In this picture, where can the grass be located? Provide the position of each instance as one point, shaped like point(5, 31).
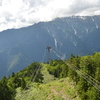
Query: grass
point(47, 77)
point(52, 89)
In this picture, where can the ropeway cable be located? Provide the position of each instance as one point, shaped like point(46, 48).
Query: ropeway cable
point(86, 74)
point(35, 75)
point(83, 74)
point(38, 69)
point(97, 86)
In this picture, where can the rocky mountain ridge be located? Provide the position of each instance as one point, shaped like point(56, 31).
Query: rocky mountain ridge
point(70, 35)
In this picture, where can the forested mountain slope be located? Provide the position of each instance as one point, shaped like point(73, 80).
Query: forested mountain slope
point(70, 35)
point(77, 78)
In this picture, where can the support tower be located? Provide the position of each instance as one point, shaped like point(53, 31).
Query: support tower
point(48, 57)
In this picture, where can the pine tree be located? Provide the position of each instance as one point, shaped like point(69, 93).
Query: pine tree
point(5, 93)
point(13, 74)
point(23, 84)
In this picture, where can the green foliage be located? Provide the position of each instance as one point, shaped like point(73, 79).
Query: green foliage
point(23, 84)
point(93, 94)
point(20, 79)
point(5, 92)
point(87, 64)
point(54, 90)
point(29, 73)
point(13, 74)
point(57, 69)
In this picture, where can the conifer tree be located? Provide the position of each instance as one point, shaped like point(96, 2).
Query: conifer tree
point(23, 84)
point(5, 93)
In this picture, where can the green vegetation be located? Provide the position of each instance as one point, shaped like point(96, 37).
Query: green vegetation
point(77, 78)
point(21, 79)
point(62, 89)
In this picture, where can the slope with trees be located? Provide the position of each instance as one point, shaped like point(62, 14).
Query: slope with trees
point(78, 78)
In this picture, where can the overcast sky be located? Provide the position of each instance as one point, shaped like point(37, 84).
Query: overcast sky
point(21, 13)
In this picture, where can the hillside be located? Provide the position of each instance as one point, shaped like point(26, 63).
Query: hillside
point(78, 35)
point(51, 89)
point(77, 78)
point(61, 89)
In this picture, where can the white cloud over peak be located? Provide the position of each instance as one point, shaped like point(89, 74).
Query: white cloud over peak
point(21, 13)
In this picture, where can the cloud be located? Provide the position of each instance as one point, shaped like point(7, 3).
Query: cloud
point(21, 13)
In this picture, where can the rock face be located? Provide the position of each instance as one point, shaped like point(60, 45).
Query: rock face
point(70, 35)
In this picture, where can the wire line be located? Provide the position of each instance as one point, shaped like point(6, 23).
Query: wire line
point(87, 77)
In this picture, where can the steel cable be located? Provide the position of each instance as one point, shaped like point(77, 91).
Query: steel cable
point(87, 77)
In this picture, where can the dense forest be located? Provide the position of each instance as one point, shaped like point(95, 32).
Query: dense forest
point(84, 72)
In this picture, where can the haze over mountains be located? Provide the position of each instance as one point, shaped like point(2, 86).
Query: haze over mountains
point(69, 35)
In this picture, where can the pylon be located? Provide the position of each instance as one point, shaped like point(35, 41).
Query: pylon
point(48, 58)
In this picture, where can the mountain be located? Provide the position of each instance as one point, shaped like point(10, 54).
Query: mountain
point(78, 35)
